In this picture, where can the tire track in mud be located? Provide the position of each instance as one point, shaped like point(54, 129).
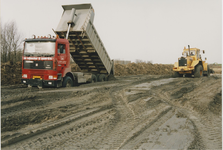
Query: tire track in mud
point(124, 120)
point(113, 135)
point(77, 127)
point(35, 109)
point(94, 99)
point(75, 135)
point(103, 136)
point(142, 131)
point(194, 105)
point(45, 127)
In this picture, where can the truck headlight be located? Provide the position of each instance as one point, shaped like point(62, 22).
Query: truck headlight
point(24, 75)
point(50, 77)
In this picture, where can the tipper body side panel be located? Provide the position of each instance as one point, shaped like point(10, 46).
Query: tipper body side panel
point(86, 47)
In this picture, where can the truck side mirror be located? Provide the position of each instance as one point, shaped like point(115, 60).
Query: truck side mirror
point(203, 51)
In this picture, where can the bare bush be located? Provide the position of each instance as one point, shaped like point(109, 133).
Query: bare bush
point(11, 41)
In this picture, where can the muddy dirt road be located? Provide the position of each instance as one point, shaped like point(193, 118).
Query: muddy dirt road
point(134, 112)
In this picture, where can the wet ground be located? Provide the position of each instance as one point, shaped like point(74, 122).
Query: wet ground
point(132, 112)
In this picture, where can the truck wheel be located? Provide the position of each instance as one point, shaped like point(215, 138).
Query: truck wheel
point(101, 78)
point(68, 82)
point(111, 77)
point(93, 78)
point(198, 71)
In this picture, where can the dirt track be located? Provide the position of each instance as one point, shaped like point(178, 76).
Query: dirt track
point(144, 111)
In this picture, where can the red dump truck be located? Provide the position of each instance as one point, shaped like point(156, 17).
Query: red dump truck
point(46, 60)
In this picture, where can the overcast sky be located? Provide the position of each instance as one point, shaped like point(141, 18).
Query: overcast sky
point(149, 30)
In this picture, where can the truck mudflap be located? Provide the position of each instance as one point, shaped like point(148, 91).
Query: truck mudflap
point(39, 82)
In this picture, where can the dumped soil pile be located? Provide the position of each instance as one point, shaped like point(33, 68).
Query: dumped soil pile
point(75, 67)
point(142, 68)
point(216, 68)
point(11, 73)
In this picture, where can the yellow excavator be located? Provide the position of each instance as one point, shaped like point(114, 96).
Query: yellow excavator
point(191, 64)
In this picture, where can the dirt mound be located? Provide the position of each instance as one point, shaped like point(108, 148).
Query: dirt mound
point(217, 68)
point(136, 69)
point(142, 68)
point(75, 67)
point(11, 73)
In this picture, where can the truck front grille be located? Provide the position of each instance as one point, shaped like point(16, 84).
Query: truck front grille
point(35, 64)
point(182, 61)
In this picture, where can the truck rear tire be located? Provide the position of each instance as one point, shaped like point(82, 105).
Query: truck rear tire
point(93, 78)
point(198, 71)
point(101, 78)
point(68, 82)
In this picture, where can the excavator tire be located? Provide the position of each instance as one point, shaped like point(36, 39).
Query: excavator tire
point(198, 71)
point(208, 72)
point(188, 75)
point(176, 74)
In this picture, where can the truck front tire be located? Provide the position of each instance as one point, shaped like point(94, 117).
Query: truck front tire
point(68, 82)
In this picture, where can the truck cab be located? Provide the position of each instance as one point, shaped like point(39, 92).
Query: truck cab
point(45, 61)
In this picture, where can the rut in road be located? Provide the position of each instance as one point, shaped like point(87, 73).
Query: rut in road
point(193, 98)
point(93, 131)
point(135, 112)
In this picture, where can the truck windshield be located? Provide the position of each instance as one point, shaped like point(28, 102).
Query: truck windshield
point(39, 49)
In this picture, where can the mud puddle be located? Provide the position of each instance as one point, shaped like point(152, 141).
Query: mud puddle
point(175, 133)
point(147, 86)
